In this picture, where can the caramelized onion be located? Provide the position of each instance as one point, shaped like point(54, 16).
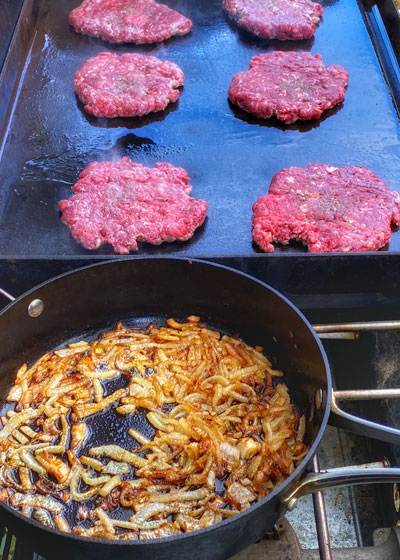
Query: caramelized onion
point(216, 415)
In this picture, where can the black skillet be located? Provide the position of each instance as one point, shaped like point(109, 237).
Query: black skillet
point(138, 291)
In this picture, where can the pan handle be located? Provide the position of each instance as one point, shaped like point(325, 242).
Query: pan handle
point(361, 426)
point(350, 476)
point(339, 417)
point(6, 295)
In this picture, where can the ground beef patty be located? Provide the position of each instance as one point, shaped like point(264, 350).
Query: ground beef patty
point(290, 85)
point(123, 202)
point(130, 85)
point(327, 208)
point(120, 21)
point(276, 19)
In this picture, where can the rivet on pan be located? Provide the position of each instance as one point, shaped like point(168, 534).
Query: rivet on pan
point(35, 308)
point(292, 503)
point(396, 497)
point(318, 399)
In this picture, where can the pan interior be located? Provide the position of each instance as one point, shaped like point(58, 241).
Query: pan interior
point(81, 305)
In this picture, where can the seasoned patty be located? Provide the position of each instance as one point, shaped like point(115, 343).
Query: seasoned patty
point(123, 202)
point(327, 208)
point(130, 85)
point(133, 21)
point(276, 19)
point(289, 85)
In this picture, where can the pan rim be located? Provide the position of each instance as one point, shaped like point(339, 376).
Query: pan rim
point(270, 497)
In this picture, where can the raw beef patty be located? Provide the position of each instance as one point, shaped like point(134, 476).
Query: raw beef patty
point(290, 85)
point(327, 208)
point(123, 202)
point(120, 21)
point(130, 85)
point(276, 19)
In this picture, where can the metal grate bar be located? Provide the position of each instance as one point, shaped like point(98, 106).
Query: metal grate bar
point(325, 551)
point(12, 548)
point(7, 548)
point(3, 533)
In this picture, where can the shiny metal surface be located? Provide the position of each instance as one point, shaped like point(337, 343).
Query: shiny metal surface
point(338, 335)
point(367, 394)
point(6, 295)
point(321, 521)
point(357, 326)
point(35, 308)
point(343, 419)
point(338, 477)
point(384, 464)
point(361, 426)
point(350, 331)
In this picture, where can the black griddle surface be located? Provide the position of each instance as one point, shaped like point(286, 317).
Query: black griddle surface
point(230, 156)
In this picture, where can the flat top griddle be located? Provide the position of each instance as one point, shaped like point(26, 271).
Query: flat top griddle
point(230, 156)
